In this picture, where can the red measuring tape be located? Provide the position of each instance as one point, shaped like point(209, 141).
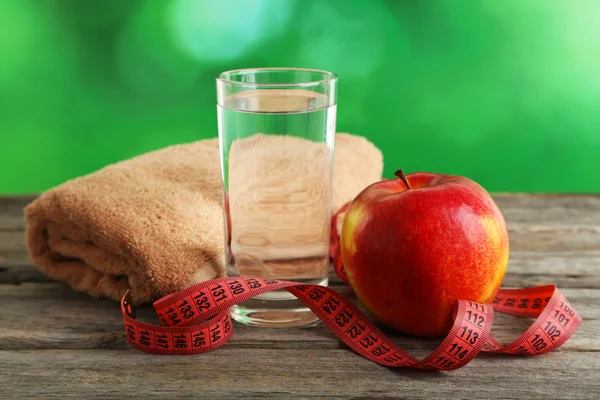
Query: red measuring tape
point(196, 320)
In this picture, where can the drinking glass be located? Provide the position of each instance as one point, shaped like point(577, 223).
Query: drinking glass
point(276, 137)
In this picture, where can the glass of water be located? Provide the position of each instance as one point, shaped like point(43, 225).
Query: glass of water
point(277, 134)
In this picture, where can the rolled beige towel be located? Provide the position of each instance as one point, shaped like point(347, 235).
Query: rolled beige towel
point(357, 164)
point(154, 223)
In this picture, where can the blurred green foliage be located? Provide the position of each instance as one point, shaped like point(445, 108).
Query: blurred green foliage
point(506, 92)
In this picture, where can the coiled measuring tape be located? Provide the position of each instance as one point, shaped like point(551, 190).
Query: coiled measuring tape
point(196, 320)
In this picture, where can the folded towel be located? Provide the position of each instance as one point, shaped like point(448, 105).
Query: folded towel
point(153, 224)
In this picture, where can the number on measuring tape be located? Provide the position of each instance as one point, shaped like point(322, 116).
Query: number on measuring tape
point(344, 318)
point(201, 300)
point(381, 350)
point(219, 293)
point(552, 330)
point(237, 287)
point(254, 283)
point(186, 308)
point(538, 342)
point(469, 335)
point(475, 318)
point(331, 305)
point(356, 330)
point(199, 339)
point(317, 294)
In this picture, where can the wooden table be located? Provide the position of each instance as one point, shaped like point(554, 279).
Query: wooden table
point(57, 343)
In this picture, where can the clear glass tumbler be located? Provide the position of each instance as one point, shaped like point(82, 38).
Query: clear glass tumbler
point(277, 134)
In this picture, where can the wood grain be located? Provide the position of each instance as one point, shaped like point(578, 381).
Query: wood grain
point(566, 270)
point(57, 343)
point(53, 316)
point(543, 238)
point(531, 209)
point(11, 212)
point(288, 373)
point(552, 209)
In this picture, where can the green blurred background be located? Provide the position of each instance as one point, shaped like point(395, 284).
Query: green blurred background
point(506, 92)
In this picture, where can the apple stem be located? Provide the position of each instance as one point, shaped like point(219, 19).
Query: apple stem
point(400, 174)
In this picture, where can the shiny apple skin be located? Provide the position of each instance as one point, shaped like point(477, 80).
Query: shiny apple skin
point(410, 253)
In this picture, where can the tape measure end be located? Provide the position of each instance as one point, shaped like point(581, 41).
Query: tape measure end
point(128, 305)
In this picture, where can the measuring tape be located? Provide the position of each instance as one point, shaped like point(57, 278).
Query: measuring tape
point(196, 320)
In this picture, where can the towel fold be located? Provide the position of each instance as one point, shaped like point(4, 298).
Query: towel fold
point(153, 224)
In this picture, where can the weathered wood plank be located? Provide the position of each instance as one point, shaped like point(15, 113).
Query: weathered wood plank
point(18, 274)
point(281, 373)
point(523, 237)
point(15, 264)
point(567, 238)
point(554, 239)
point(555, 209)
point(563, 269)
point(536, 223)
point(11, 212)
point(13, 251)
point(550, 209)
point(52, 316)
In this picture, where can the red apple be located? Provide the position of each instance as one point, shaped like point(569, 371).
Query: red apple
point(413, 245)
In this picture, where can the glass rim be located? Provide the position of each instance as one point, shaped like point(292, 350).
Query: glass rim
point(331, 77)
